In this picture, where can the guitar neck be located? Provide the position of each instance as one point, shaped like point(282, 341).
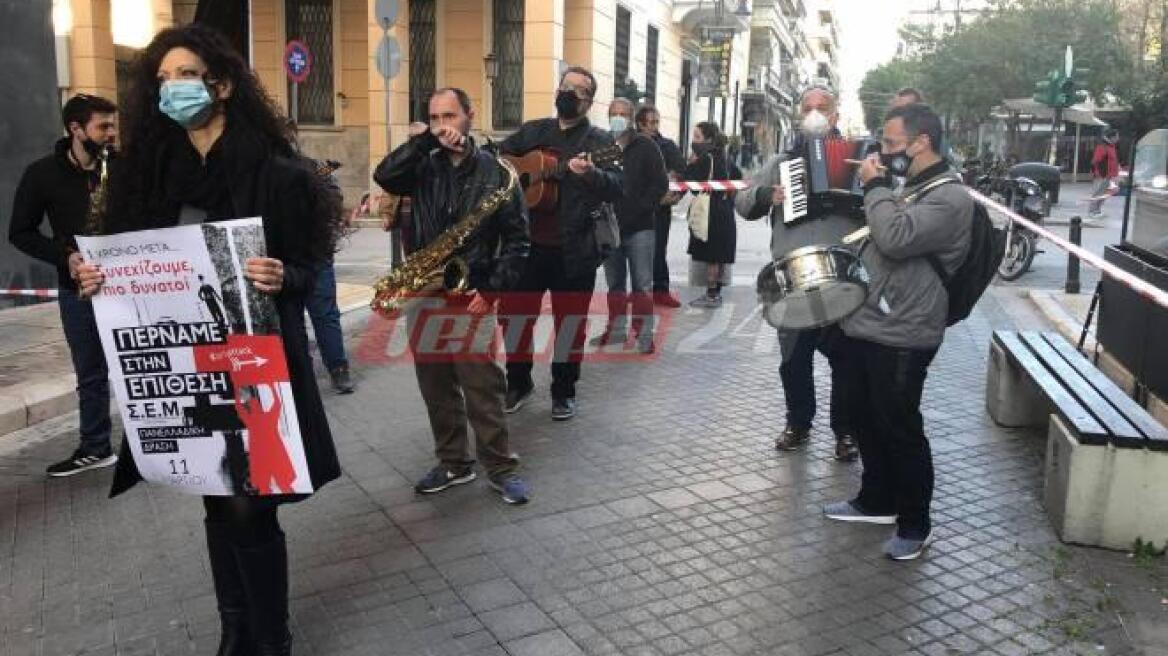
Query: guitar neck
point(562, 167)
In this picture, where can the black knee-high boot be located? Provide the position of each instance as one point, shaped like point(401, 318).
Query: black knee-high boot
point(265, 578)
point(230, 595)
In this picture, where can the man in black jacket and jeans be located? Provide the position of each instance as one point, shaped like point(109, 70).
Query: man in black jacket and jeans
point(646, 182)
point(564, 253)
point(448, 176)
point(58, 187)
point(649, 124)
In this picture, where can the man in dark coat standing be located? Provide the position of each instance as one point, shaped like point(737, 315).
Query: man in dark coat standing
point(564, 252)
point(447, 177)
point(58, 187)
point(648, 122)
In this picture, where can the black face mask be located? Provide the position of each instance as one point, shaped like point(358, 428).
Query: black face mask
point(91, 147)
point(702, 149)
point(897, 163)
point(567, 105)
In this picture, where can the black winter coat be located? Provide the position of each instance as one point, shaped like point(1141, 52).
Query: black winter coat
point(580, 198)
point(443, 194)
point(56, 188)
point(645, 183)
point(257, 182)
point(722, 238)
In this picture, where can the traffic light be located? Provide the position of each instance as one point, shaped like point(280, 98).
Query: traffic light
point(1048, 89)
point(1072, 90)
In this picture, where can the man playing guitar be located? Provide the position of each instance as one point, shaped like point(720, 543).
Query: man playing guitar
point(564, 253)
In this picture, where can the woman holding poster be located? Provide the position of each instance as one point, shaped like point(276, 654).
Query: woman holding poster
point(204, 144)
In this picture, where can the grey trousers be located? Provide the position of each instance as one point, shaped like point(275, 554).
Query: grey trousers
point(465, 385)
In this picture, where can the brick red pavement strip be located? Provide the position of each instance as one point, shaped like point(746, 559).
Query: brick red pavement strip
point(1143, 288)
point(709, 185)
point(39, 293)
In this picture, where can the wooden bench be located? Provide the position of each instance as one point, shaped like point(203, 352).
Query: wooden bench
point(1106, 475)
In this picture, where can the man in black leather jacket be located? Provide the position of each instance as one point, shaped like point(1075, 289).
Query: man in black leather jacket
point(564, 252)
point(447, 176)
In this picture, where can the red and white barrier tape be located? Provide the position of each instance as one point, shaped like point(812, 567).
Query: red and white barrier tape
point(1141, 287)
point(39, 293)
point(709, 185)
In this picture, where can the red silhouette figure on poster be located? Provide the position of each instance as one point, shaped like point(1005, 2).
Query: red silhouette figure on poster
point(255, 365)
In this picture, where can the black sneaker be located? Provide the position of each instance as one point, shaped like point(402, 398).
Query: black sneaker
point(563, 409)
point(81, 461)
point(442, 477)
point(515, 399)
point(846, 448)
point(792, 438)
point(342, 380)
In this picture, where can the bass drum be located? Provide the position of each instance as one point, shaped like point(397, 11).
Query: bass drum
point(812, 287)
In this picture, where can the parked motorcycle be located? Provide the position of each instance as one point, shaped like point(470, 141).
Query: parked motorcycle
point(1027, 199)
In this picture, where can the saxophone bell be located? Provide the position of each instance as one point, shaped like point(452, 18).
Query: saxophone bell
point(456, 276)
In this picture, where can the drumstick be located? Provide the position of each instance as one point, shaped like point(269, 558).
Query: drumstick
point(856, 236)
point(858, 162)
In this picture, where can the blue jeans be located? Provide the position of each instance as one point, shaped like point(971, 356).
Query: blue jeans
point(93, 391)
point(632, 261)
point(326, 318)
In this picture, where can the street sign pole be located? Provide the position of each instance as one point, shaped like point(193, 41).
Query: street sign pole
point(294, 103)
point(297, 66)
point(388, 64)
point(1055, 130)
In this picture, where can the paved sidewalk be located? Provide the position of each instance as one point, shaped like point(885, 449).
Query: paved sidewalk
point(663, 523)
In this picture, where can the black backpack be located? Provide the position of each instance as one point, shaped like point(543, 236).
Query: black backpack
point(987, 247)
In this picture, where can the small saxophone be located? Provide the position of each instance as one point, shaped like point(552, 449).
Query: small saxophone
point(436, 266)
point(95, 216)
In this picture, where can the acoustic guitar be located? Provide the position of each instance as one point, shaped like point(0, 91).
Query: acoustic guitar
point(541, 170)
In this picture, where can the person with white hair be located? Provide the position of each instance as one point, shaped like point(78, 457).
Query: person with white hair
point(825, 224)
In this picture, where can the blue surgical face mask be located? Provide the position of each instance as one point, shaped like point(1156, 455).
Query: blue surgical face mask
point(186, 102)
point(617, 125)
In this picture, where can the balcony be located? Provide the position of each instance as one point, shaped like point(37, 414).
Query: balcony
point(693, 15)
point(767, 17)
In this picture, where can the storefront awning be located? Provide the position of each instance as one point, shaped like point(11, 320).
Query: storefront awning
point(1083, 113)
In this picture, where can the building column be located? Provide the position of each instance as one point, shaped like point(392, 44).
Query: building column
point(91, 47)
point(543, 50)
point(267, 43)
point(460, 48)
point(589, 38)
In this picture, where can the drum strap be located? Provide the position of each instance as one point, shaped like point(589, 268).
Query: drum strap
point(927, 187)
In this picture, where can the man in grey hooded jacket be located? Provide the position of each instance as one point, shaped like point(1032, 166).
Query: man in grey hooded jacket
point(891, 340)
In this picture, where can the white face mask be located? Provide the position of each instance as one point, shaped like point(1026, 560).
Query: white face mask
point(815, 124)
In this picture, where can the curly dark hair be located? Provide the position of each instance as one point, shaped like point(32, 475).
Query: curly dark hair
point(249, 109)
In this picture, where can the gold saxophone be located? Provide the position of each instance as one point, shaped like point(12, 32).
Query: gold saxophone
point(436, 267)
point(95, 216)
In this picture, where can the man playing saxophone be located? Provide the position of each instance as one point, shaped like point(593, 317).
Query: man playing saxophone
point(448, 178)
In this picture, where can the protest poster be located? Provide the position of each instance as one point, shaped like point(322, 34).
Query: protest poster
point(196, 360)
